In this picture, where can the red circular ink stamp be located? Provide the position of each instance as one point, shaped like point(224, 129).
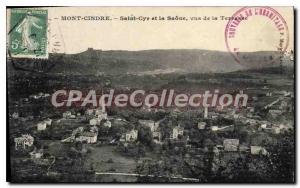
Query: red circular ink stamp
point(256, 35)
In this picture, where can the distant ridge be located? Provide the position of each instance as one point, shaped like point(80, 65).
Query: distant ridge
point(94, 61)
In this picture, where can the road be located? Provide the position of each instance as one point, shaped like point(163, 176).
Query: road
point(144, 175)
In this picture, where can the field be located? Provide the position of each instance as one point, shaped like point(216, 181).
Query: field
point(106, 159)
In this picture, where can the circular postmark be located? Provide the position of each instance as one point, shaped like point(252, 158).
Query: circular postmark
point(256, 35)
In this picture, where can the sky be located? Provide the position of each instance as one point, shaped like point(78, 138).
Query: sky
point(255, 34)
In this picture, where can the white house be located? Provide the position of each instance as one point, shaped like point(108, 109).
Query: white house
point(89, 112)
point(41, 126)
point(269, 94)
point(156, 136)
point(276, 130)
point(275, 113)
point(72, 116)
point(36, 154)
point(107, 123)
point(48, 121)
point(94, 121)
point(99, 113)
point(24, 140)
point(15, 115)
point(201, 125)
point(231, 144)
point(176, 131)
point(220, 107)
point(149, 123)
point(102, 116)
point(130, 136)
point(216, 128)
point(94, 129)
point(67, 114)
point(89, 137)
point(251, 121)
point(257, 150)
point(264, 126)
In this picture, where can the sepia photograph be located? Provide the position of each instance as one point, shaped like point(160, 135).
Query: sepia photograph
point(201, 95)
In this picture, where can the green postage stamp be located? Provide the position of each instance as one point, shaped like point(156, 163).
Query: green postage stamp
point(28, 33)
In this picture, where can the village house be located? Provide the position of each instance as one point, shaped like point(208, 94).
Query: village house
point(153, 126)
point(88, 137)
point(89, 112)
point(149, 123)
point(41, 126)
point(23, 119)
point(99, 111)
point(102, 115)
point(258, 150)
point(231, 144)
point(175, 111)
point(224, 128)
point(251, 121)
point(283, 105)
point(286, 126)
point(39, 95)
point(33, 96)
point(281, 128)
point(250, 109)
point(201, 125)
point(24, 140)
point(15, 115)
point(97, 115)
point(176, 131)
point(156, 136)
point(94, 121)
point(265, 88)
point(36, 154)
point(67, 114)
point(214, 116)
point(94, 129)
point(243, 148)
point(265, 125)
point(219, 107)
point(48, 121)
point(107, 123)
point(269, 94)
point(275, 129)
point(130, 136)
point(274, 113)
point(146, 108)
point(80, 135)
point(214, 128)
point(217, 149)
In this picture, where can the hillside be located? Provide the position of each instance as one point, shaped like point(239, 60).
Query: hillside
point(97, 62)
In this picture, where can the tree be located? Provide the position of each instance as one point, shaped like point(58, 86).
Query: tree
point(282, 160)
point(145, 136)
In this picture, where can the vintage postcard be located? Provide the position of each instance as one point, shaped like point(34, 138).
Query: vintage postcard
point(150, 94)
